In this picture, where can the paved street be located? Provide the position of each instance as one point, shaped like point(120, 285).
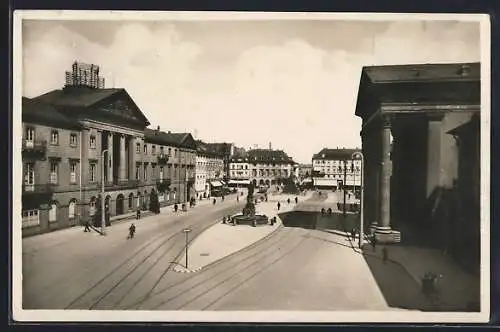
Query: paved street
point(295, 268)
point(88, 271)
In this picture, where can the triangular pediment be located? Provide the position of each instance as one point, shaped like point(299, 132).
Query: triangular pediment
point(121, 107)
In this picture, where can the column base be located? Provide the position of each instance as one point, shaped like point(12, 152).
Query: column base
point(387, 235)
point(372, 228)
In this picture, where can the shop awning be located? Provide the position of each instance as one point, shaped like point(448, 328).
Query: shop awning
point(239, 181)
point(216, 184)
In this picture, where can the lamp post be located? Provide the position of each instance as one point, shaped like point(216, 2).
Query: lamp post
point(186, 231)
point(359, 155)
point(103, 209)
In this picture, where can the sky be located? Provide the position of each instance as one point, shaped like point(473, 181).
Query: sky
point(290, 83)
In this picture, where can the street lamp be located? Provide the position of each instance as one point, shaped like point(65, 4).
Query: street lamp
point(103, 211)
point(186, 231)
point(359, 155)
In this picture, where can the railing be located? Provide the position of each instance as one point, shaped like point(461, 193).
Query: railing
point(38, 188)
point(116, 185)
point(35, 146)
point(163, 159)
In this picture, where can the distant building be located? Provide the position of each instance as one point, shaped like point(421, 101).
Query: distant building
point(336, 169)
point(304, 171)
point(74, 136)
point(209, 169)
point(262, 166)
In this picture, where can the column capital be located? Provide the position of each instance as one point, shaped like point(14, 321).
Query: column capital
point(435, 116)
point(386, 121)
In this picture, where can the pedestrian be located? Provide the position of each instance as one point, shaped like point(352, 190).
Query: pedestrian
point(374, 243)
point(131, 231)
point(322, 211)
point(279, 205)
point(87, 226)
point(176, 207)
point(223, 198)
point(353, 233)
point(288, 200)
point(138, 214)
point(237, 198)
point(329, 211)
point(214, 201)
point(224, 220)
point(296, 199)
point(385, 255)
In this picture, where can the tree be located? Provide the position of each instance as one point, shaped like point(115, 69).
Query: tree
point(154, 203)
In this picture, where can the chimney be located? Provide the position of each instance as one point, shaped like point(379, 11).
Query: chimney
point(270, 147)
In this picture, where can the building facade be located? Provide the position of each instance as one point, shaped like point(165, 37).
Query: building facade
point(262, 167)
point(210, 168)
point(76, 138)
point(422, 166)
point(336, 169)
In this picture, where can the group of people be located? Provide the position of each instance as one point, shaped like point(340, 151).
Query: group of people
point(288, 201)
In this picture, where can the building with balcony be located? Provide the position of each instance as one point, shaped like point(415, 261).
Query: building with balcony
point(75, 137)
point(336, 169)
point(262, 167)
point(209, 168)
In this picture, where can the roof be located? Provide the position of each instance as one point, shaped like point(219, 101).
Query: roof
point(203, 148)
point(423, 72)
point(335, 154)
point(72, 97)
point(456, 83)
point(36, 111)
point(264, 156)
point(184, 140)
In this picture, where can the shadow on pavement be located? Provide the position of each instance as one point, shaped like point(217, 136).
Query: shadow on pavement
point(315, 220)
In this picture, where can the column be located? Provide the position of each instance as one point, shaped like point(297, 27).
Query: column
point(132, 159)
point(122, 171)
point(384, 225)
point(110, 157)
point(433, 153)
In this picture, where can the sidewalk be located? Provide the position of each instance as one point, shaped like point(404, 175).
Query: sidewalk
point(222, 240)
point(459, 290)
point(66, 235)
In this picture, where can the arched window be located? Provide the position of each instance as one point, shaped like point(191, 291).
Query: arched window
point(130, 200)
point(71, 208)
point(92, 206)
point(53, 211)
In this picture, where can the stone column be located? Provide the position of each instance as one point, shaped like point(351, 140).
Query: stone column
point(110, 157)
point(433, 152)
point(132, 159)
point(384, 226)
point(122, 171)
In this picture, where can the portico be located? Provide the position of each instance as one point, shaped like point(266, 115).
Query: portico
point(409, 157)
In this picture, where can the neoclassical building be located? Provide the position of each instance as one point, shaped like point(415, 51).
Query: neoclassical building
point(420, 134)
point(78, 136)
point(336, 169)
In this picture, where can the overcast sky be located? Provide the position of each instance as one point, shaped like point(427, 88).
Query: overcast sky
point(291, 83)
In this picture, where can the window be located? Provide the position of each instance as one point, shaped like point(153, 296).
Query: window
point(54, 137)
point(29, 174)
point(30, 218)
point(130, 201)
point(92, 142)
point(53, 171)
point(138, 147)
point(92, 206)
point(161, 149)
point(72, 172)
point(169, 151)
point(53, 212)
point(72, 139)
point(145, 149)
point(30, 137)
point(145, 171)
point(161, 173)
point(153, 149)
point(175, 152)
point(92, 175)
point(71, 209)
point(137, 174)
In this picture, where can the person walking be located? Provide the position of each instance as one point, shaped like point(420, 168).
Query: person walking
point(87, 226)
point(176, 207)
point(131, 231)
point(279, 205)
point(214, 201)
point(353, 234)
point(288, 200)
point(237, 198)
point(138, 214)
point(296, 200)
point(374, 243)
point(223, 198)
